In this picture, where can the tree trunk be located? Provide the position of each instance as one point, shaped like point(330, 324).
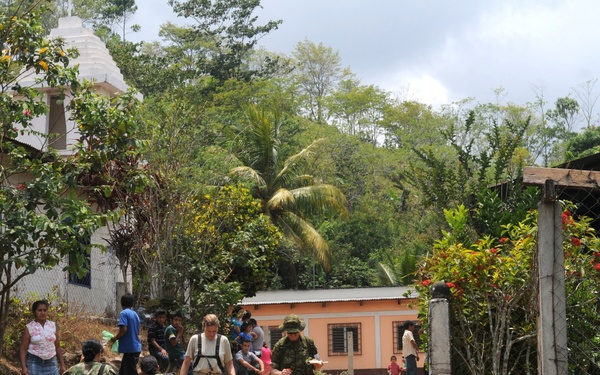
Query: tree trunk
point(4, 307)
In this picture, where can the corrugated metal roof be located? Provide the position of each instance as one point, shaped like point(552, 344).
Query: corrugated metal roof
point(590, 162)
point(329, 295)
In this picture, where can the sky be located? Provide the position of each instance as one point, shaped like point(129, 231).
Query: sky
point(438, 51)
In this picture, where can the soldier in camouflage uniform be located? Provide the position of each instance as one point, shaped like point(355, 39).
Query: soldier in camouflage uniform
point(291, 354)
point(92, 352)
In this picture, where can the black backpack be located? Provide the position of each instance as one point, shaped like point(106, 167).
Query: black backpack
point(215, 356)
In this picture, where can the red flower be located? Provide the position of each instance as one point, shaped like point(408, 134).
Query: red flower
point(493, 251)
point(451, 285)
point(576, 241)
point(27, 113)
point(597, 267)
point(21, 187)
point(426, 282)
point(566, 218)
point(503, 240)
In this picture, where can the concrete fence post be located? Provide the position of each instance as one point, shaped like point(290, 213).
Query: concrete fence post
point(552, 320)
point(350, 341)
point(439, 330)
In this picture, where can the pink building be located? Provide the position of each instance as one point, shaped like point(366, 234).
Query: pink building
point(375, 316)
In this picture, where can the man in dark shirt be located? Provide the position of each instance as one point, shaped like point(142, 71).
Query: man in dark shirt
point(156, 339)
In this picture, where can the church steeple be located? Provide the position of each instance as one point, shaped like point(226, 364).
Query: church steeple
point(95, 64)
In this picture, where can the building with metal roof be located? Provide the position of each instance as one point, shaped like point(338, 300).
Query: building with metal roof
point(375, 316)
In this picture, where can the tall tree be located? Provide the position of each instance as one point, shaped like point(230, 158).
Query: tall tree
point(111, 152)
point(289, 196)
point(457, 177)
point(43, 218)
point(146, 66)
point(230, 243)
point(588, 95)
point(318, 71)
point(565, 115)
point(185, 47)
point(117, 13)
point(410, 124)
point(358, 109)
point(230, 26)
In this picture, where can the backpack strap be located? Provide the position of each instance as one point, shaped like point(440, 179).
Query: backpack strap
point(101, 371)
point(216, 355)
point(199, 355)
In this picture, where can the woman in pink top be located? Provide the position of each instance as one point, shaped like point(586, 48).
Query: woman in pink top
point(265, 356)
point(40, 345)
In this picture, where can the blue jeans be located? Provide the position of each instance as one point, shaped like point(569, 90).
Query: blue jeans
point(411, 365)
point(38, 366)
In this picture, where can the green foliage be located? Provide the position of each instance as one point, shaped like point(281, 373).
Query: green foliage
point(584, 144)
point(410, 124)
point(582, 279)
point(450, 181)
point(110, 154)
point(232, 246)
point(107, 143)
point(230, 27)
point(357, 109)
point(118, 8)
point(145, 66)
point(288, 195)
point(43, 218)
point(565, 116)
point(509, 202)
point(318, 71)
point(492, 282)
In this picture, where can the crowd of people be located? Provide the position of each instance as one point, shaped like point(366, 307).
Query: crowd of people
point(243, 352)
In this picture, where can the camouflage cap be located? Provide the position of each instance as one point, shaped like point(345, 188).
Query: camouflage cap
point(292, 324)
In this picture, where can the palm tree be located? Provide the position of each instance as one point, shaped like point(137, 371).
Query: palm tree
point(288, 195)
